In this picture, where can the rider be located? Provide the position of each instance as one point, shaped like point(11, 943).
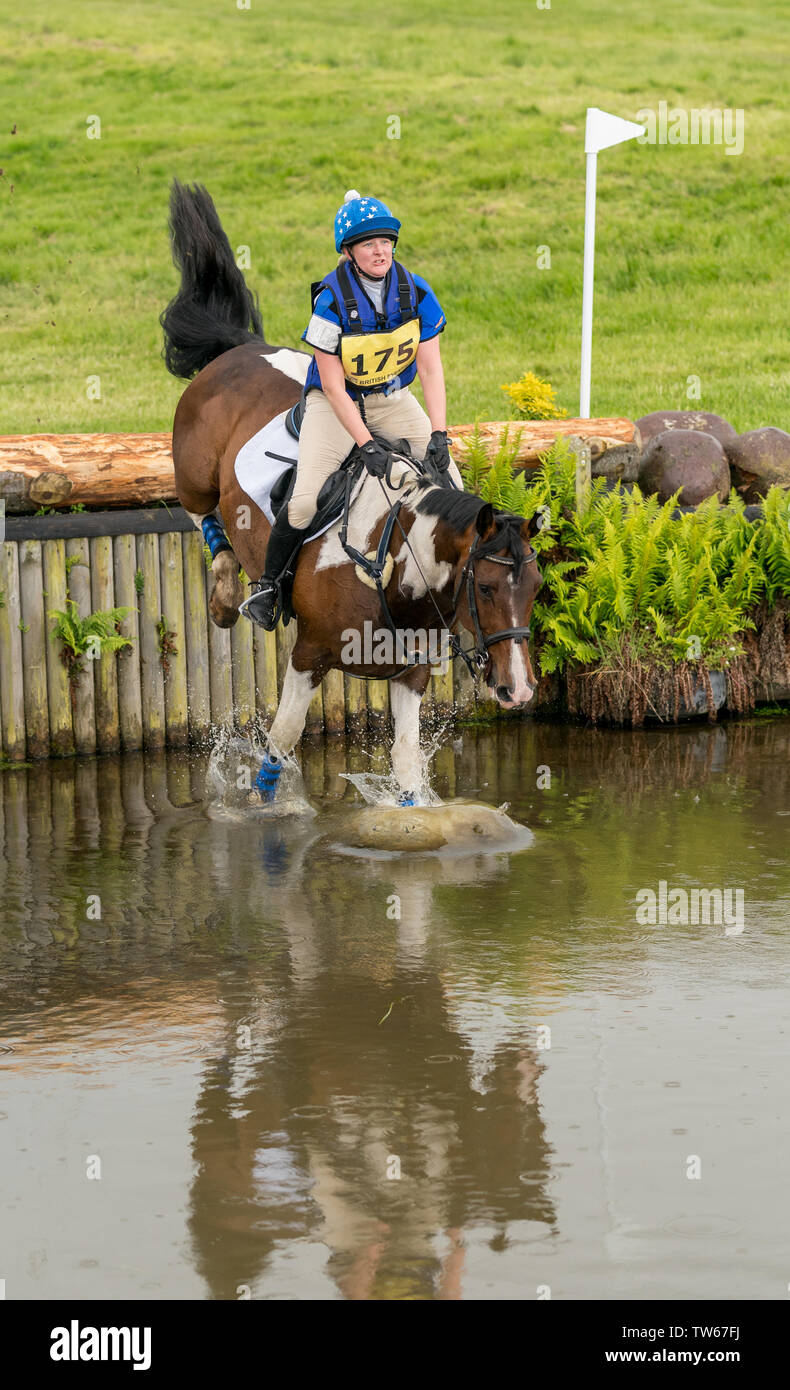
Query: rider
point(374, 326)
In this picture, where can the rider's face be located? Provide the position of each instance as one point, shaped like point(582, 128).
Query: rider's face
point(374, 257)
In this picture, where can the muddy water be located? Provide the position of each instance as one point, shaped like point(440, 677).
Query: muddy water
point(235, 1059)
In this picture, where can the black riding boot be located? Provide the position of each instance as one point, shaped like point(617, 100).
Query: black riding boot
point(264, 606)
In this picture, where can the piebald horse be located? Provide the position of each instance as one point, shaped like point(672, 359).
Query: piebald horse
point(456, 562)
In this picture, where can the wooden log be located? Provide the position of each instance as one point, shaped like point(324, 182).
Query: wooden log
point(581, 449)
point(93, 469)
point(196, 620)
point(34, 648)
point(265, 650)
point(442, 683)
point(378, 704)
point(130, 696)
point(137, 469)
point(334, 703)
point(174, 665)
point(356, 700)
point(61, 733)
point(463, 690)
point(82, 693)
point(285, 640)
point(151, 675)
point(219, 666)
point(243, 664)
point(12, 691)
point(443, 771)
point(108, 729)
point(314, 720)
point(538, 435)
point(335, 755)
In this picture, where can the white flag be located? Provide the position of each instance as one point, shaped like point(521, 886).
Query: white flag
point(604, 130)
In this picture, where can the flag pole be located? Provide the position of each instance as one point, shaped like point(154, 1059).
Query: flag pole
point(587, 288)
point(601, 131)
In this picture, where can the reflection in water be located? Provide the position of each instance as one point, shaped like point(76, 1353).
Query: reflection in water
point(330, 1077)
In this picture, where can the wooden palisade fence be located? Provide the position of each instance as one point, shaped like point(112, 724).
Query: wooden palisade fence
point(181, 676)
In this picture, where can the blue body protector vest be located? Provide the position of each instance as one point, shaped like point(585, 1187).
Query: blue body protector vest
point(377, 350)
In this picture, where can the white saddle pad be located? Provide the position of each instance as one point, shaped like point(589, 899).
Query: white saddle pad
point(263, 459)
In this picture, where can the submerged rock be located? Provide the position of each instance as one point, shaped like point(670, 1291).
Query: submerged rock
point(759, 459)
point(687, 460)
point(453, 825)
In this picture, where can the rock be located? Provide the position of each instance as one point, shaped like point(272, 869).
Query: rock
point(759, 459)
point(456, 825)
point(620, 464)
point(700, 420)
point(687, 460)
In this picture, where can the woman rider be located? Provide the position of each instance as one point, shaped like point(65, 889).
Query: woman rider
point(374, 326)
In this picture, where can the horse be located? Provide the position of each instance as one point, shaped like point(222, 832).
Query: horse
point(456, 562)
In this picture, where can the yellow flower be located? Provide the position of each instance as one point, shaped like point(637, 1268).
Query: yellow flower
point(533, 399)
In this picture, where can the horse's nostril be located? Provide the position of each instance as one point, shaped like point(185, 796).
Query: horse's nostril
point(504, 692)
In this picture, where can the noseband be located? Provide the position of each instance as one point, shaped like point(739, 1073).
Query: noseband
point(478, 656)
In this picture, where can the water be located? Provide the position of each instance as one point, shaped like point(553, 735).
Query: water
point(311, 1075)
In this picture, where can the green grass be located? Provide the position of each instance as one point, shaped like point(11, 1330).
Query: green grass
point(278, 109)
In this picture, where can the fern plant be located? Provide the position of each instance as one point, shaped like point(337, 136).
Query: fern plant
point(80, 637)
point(628, 580)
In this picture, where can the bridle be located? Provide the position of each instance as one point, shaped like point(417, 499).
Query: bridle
point(477, 657)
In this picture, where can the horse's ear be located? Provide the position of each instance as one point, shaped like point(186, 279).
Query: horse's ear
point(534, 525)
point(485, 520)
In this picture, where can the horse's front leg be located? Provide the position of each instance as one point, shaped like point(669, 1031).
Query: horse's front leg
point(405, 698)
point(298, 690)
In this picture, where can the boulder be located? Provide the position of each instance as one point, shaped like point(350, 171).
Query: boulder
point(700, 420)
point(457, 825)
point(758, 459)
point(687, 460)
point(620, 464)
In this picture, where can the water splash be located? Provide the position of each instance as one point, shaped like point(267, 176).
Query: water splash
point(382, 788)
point(233, 766)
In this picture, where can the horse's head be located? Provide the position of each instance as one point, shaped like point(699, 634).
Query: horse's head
point(496, 578)
point(499, 581)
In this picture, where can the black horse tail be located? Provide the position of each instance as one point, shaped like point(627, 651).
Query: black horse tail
point(214, 309)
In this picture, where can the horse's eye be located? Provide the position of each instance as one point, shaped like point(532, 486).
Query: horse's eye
point(486, 590)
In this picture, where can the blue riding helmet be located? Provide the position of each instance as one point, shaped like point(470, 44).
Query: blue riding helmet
point(362, 217)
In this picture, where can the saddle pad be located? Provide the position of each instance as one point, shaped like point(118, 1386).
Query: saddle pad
point(264, 459)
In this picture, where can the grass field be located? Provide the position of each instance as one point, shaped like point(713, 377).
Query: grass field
point(279, 109)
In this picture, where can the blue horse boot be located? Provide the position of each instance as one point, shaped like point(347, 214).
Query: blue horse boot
point(407, 799)
point(268, 778)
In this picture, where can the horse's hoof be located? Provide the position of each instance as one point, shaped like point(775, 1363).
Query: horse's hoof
point(227, 592)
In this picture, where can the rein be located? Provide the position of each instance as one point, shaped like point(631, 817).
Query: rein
point(475, 658)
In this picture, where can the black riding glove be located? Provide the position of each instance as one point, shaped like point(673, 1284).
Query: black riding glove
point(376, 458)
point(438, 452)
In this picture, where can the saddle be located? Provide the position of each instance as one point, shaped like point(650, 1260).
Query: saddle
point(331, 503)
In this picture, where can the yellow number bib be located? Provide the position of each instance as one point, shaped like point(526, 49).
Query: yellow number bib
point(370, 359)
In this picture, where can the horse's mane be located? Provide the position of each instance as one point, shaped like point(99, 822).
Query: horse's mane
point(460, 509)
